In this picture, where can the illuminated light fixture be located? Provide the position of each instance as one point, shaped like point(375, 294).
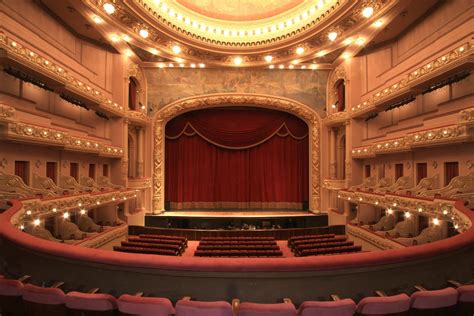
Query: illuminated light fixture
point(271, 66)
point(349, 198)
point(143, 108)
point(390, 211)
point(54, 210)
point(179, 60)
point(346, 55)
point(113, 199)
point(333, 106)
point(22, 227)
point(98, 202)
point(28, 212)
point(66, 215)
point(83, 212)
point(300, 50)
point(435, 221)
point(360, 41)
point(161, 65)
point(360, 199)
point(378, 23)
point(367, 12)
point(291, 66)
point(321, 53)
point(170, 65)
point(407, 214)
point(420, 210)
point(445, 212)
point(238, 61)
point(126, 38)
point(193, 65)
point(281, 66)
point(114, 38)
point(109, 8)
point(314, 66)
point(128, 53)
point(154, 51)
point(144, 33)
point(332, 36)
point(181, 65)
point(36, 222)
point(176, 49)
point(268, 58)
point(461, 49)
point(303, 67)
point(201, 65)
point(456, 226)
point(376, 202)
point(348, 41)
point(394, 204)
point(295, 62)
point(97, 19)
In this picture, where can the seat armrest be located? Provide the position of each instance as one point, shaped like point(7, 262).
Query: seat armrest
point(93, 291)
point(420, 288)
point(335, 297)
point(235, 306)
point(24, 278)
point(454, 283)
point(287, 300)
point(186, 298)
point(139, 294)
point(380, 293)
point(57, 285)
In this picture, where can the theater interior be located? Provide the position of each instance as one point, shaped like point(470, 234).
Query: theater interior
point(236, 157)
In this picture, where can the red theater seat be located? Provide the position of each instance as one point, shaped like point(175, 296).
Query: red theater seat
point(11, 303)
point(85, 304)
point(41, 301)
point(144, 306)
point(196, 308)
point(254, 309)
point(466, 300)
point(437, 302)
point(344, 307)
point(387, 305)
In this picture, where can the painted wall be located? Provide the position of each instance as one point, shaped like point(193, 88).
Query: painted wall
point(167, 84)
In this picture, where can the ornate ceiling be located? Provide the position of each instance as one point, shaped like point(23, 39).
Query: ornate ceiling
point(291, 34)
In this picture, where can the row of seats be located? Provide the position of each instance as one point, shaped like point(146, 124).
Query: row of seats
point(238, 247)
point(294, 238)
point(154, 244)
point(332, 250)
point(243, 242)
point(235, 238)
point(238, 253)
point(149, 251)
point(298, 250)
point(309, 240)
point(313, 245)
point(19, 298)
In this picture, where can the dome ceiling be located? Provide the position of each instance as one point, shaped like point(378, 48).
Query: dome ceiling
point(241, 33)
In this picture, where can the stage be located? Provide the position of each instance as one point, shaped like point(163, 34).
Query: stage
point(236, 220)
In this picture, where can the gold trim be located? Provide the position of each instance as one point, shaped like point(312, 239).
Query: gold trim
point(176, 108)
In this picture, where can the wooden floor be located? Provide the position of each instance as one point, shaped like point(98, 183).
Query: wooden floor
point(242, 214)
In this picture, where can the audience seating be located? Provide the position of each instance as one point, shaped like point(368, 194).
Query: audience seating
point(150, 251)
point(90, 304)
point(186, 307)
point(254, 309)
point(396, 305)
point(437, 302)
point(344, 307)
point(465, 298)
point(154, 244)
point(40, 301)
point(144, 306)
point(323, 244)
point(10, 296)
point(238, 247)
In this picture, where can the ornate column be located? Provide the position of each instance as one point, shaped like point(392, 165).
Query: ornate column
point(140, 151)
point(332, 153)
point(125, 151)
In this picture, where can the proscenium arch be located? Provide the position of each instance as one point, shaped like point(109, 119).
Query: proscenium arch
point(179, 107)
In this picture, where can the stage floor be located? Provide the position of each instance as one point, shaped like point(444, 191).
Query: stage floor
point(239, 214)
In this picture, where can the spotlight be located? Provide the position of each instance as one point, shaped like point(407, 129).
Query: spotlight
point(360, 41)
point(378, 23)
point(97, 19)
point(36, 222)
point(268, 58)
point(300, 50)
point(332, 36)
point(143, 33)
point(238, 61)
point(176, 49)
point(109, 8)
point(367, 12)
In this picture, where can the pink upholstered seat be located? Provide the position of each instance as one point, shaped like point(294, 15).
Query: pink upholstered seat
point(434, 299)
point(384, 305)
point(90, 302)
point(466, 293)
point(254, 309)
point(345, 307)
point(43, 295)
point(196, 308)
point(10, 287)
point(145, 306)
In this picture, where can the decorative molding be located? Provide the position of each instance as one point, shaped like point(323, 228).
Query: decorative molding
point(235, 99)
point(6, 113)
point(378, 241)
point(333, 184)
point(415, 76)
point(139, 183)
point(336, 118)
point(105, 237)
point(30, 133)
point(32, 59)
point(446, 135)
point(138, 117)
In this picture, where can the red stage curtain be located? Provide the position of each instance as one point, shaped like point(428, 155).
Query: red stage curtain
point(132, 93)
point(236, 158)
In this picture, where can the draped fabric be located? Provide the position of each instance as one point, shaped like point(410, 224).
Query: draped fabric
point(341, 95)
point(51, 171)
point(236, 158)
point(132, 93)
point(398, 170)
point(21, 170)
point(451, 170)
point(92, 171)
point(421, 171)
point(74, 170)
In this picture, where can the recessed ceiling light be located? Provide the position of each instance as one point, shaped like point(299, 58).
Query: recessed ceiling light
point(360, 41)
point(161, 65)
point(268, 58)
point(281, 66)
point(109, 8)
point(154, 51)
point(201, 65)
point(346, 55)
point(367, 12)
point(176, 49)
point(348, 41)
point(332, 36)
point(271, 66)
point(300, 50)
point(321, 53)
point(114, 38)
point(128, 53)
point(193, 65)
point(179, 60)
point(170, 65)
point(143, 33)
point(303, 67)
point(97, 19)
point(378, 23)
point(291, 66)
point(314, 66)
point(181, 65)
point(126, 38)
point(238, 61)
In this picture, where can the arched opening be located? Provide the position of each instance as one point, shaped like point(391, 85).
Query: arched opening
point(133, 87)
point(236, 158)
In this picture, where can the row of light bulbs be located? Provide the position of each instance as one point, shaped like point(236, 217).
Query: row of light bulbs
point(238, 60)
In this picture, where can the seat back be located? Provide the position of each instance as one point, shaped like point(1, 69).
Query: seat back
point(254, 309)
point(442, 302)
point(11, 303)
point(387, 305)
point(197, 308)
point(345, 307)
point(465, 300)
point(84, 304)
point(39, 301)
point(145, 306)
